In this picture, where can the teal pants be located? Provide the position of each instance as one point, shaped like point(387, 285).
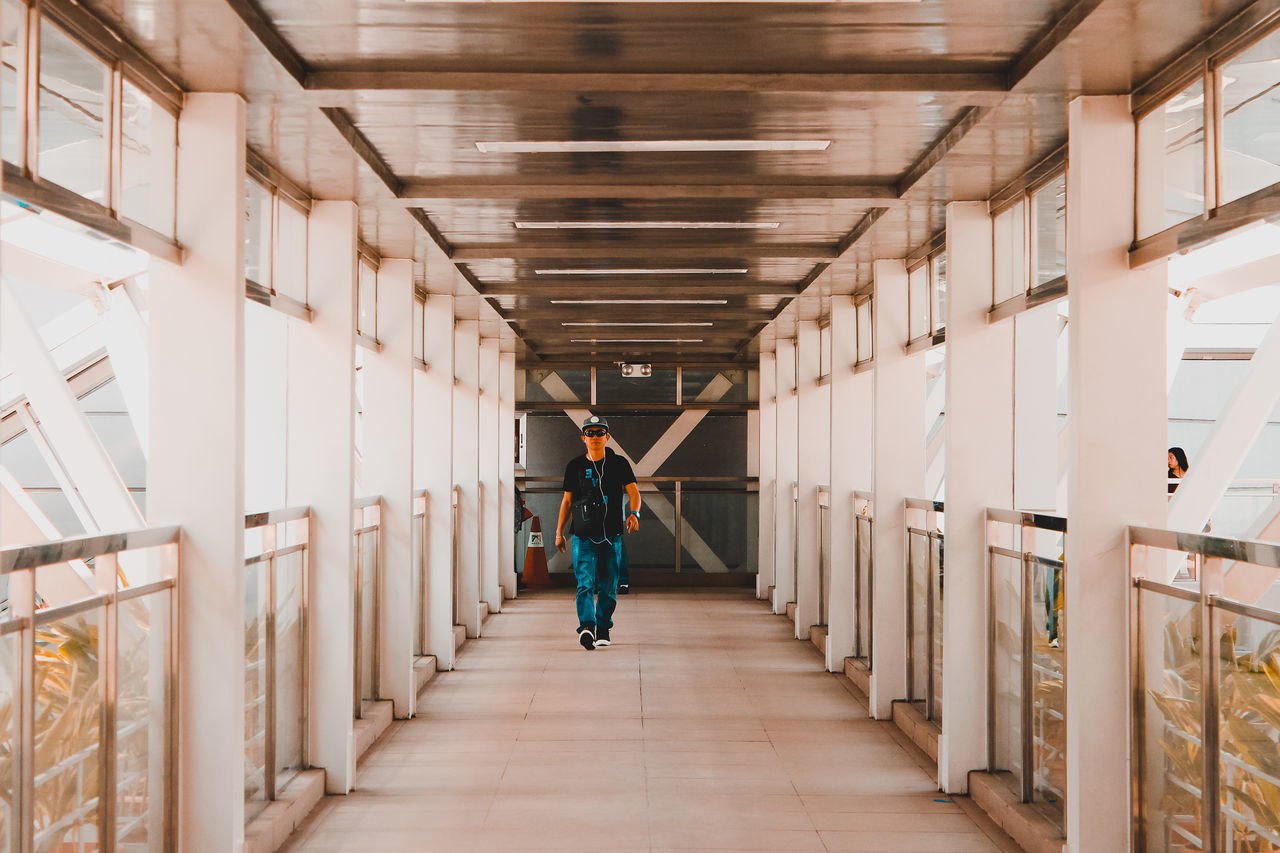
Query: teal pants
point(595, 566)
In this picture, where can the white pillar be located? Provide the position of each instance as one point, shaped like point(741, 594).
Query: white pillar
point(388, 471)
point(845, 446)
point(1116, 455)
point(979, 406)
point(433, 462)
point(899, 474)
point(507, 473)
point(490, 492)
point(320, 471)
point(1035, 431)
point(768, 484)
point(813, 469)
point(196, 473)
point(788, 462)
point(466, 469)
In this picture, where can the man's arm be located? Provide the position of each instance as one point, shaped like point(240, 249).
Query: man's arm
point(633, 517)
point(565, 504)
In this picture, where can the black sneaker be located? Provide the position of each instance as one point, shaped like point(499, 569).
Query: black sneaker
point(587, 638)
point(602, 637)
point(624, 588)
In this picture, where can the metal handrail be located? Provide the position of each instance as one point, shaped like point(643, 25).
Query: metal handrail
point(84, 547)
point(1265, 554)
point(276, 516)
point(366, 502)
point(932, 583)
point(1038, 520)
point(925, 504)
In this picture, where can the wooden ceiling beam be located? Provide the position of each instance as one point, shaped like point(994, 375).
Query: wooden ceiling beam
point(643, 250)
point(944, 77)
point(413, 191)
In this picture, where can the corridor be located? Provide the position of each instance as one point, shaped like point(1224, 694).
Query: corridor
point(705, 726)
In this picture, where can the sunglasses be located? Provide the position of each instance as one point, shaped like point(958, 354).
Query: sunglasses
point(594, 433)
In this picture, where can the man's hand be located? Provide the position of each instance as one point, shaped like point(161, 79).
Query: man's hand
point(560, 543)
point(633, 523)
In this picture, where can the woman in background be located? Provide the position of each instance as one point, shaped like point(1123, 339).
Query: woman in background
point(1178, 466)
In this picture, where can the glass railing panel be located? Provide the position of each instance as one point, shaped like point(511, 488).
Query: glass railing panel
point(290, 668)
point(1249, 725)
point(417, 583)
point(719, 531)
point(863, 532)
point(142, 720)
point(255, 688)
point(1048, 689)
point(1169, 655)
point(366, 622)
point(824, 576)
point(936, 581)
point(1006, 661)
point(10, 649)
point(918, 584)
point(68, 742)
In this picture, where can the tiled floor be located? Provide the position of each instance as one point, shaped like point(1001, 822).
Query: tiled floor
point(703, 727)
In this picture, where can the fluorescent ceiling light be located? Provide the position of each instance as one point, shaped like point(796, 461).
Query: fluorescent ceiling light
point(649, 145)
point(639, 301)
point(636, 341)
point(856, 2)
point(644, 226)
point(636, 324)
point(644, 271)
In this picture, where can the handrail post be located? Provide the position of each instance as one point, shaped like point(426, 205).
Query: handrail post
point(1138, 711)
point(679, 525)
point(928, 622)
point(269, 544)
point(104, 570)
point(1210, 664)
point(1028, 745)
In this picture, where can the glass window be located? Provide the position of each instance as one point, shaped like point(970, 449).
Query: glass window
point(714, 386)
point(367, 300)
point(1171, 162)
point(824, 351)
point(1050, 211)
point(291, 251)
point(938, 280)
point(863, 312)
point(1009, 271)
point(257, 233)
point(148, 148)
point(12, 21)
point(73, 101)
point(613, 387)
point(419, 329)
point(918, 301)
point(1251, 119)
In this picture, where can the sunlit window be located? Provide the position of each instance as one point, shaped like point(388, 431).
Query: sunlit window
point(824, 351)
point(938, 290)
point(1009, 270)
point(291, 251)
point(863, 314)
point(148, 154)
point(1251, 119)
point(12, 21)
point(1050, 210)
point(257, 233)
point(1171, 162)
point(918, 301)
point(73, 110)
point(419, 329)
point(367, 300)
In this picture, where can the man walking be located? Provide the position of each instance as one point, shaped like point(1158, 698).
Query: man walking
point(594, 486)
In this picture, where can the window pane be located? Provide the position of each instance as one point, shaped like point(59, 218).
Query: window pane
point(715, 386)
point(824, 351)
point(147, 165)
point(12, 15)
point(291, 253)
point(257, 233)
point(918, 301)
point(367, 296)
point(1171, 162)
point(419, 330)
point(73, 86)
point(1251, 119)
point(864, 331)
point(1051, 230)
point(1009, 273)
point(939, 290)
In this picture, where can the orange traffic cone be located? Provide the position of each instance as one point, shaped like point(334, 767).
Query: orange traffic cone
point(535, 559)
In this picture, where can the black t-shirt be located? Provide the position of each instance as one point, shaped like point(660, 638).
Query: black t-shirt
point(604, 480)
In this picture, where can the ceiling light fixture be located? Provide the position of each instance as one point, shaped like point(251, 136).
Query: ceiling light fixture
point(601, 146)
point(645, 271)
point(853, 2)
point(636, 324)
point(645, 226)
point(635, 340)
point(639, 301)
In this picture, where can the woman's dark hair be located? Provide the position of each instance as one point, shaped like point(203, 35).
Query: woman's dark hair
point(1180, 455)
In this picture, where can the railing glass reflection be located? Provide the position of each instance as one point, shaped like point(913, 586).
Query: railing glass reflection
point(1205, 670)
point(824, 552)
point(275, 667)
point(1026, 634)
point(418, 561)
point(863, 574)
point(367, 589)
point(925, 521)
point(87, 693)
